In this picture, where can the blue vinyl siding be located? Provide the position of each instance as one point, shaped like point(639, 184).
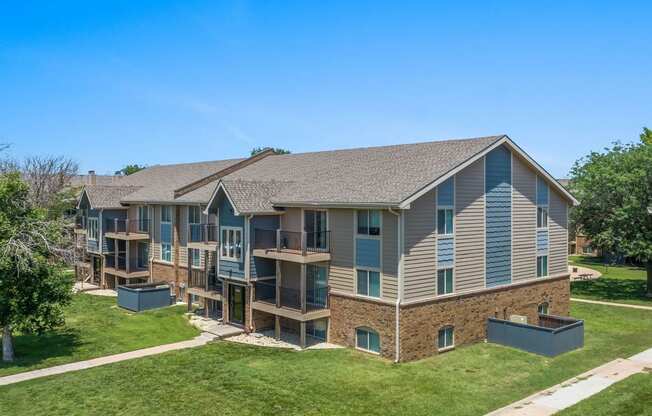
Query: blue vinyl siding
point(445, 252)
point(227, 218)
point(445, 193)
point(498, 187)
point(542, 191)
point(367, 252)
point(542, 242)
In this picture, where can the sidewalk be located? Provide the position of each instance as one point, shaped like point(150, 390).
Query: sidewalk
point(622, 305)
point(198, 341)
point(570, 392)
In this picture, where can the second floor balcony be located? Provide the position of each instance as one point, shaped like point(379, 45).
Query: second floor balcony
point(80, 224)
point(203, 236)
point(204, 280)
point(291, 302)
point(119, 265)
point(295, 246)
point(126, 229)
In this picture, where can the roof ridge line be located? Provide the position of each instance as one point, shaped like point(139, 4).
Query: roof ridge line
point(221, 173)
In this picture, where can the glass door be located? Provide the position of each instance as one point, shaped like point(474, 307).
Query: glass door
point(236, 304)
point(315, 226)
point(316, 285)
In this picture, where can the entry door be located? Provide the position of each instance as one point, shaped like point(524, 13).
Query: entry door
point(236, 304)
point(315, 227)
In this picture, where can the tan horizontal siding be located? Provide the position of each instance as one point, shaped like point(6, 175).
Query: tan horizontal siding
point(524, 222)
point(558, 235)
point(469, 228)
point(420, 261)
point(341, 269)
point(390, 256)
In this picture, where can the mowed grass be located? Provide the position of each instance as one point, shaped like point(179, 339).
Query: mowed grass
point(231, 379)
point(619, 283)
point(95, 327)
point(631, 396)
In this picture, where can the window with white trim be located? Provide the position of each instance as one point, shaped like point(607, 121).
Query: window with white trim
point(368, 283)
point(444, 281)
point(231, 243)
point(542, 266)
point(367, 340)
point(195, 257)
point(445, 221)
point(542, 217)
point(93, 228)
point(369, 222)
point(166, 233)
point(543, 308)
point(194, 215)
point(446, 338)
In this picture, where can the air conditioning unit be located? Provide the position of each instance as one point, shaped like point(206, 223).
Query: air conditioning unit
point(518, 318)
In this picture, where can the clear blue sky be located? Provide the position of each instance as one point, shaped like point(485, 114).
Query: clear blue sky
point(110, 83)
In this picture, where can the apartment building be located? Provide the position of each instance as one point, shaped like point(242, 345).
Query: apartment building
point(402, 251)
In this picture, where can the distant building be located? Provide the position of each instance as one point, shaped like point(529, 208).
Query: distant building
point(578, 243)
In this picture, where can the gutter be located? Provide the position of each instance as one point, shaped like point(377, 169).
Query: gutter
point(397, 338)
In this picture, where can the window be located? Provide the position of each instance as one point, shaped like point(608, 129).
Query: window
point(143, 255)
point(587, 250)
point(444, 281)
point(195, 257)
point(317, 329)
point(542, 217)
point(446, 338)
point(445, 221)
point(166, 233)
point(194, 215)
point(542, 266)
point(367, 340)
point(369, 222)
point(231, 243)
point(92, 229)
point(369, 283)
point(143, 218)
point(543, 308)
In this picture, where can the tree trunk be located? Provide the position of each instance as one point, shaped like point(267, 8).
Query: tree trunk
point(649, 278)
point(7, 344)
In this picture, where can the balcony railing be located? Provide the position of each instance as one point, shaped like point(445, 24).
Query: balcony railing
point(316, 298)
point(119, 262)
point(140, 226)
point(304, 242)
point(203, 233)
point(80, 222)
point(200, 279)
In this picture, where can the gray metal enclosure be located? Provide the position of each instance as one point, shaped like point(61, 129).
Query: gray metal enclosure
point(140, 297)
point(553, 336)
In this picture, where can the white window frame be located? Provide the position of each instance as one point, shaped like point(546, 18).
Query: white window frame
point(446, 347)
point(547, 271)
point(93, 228)
point(191, 208)
point(452, 269)
point(380, 282)
point(192, 258)
point(380, 225)
point(163, 207)
point(367, 330)
point(452, 210)
point(543, 208)
point(224, 241)
point(547, 308)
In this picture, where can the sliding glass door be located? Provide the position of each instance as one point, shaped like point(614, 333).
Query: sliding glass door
point(316, 229)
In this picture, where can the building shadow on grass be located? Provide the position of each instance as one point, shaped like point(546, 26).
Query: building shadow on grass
point(32, 349)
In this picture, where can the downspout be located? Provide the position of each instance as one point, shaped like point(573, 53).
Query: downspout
point(399, 228)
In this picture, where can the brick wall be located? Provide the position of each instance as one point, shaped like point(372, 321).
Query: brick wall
point(468, 314)
point(163, 272)
point(348, 313)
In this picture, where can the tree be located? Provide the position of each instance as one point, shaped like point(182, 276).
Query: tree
point(277, 150)
point(646, 136)
point(33, 287)
point(47, 176)
point(614, 189)
point(129, 169)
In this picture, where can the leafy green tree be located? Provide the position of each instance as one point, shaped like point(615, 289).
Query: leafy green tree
point(646, 136)
point(33, 287)
point(129, 169)
point(276, 150)
point(614, 189)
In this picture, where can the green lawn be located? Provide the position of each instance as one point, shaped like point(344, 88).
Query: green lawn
point(631, 396)
point(232, 379)
point(95, 326)
point(622, 283)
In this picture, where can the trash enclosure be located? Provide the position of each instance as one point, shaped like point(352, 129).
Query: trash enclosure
point(140, 297)
point(552, 336)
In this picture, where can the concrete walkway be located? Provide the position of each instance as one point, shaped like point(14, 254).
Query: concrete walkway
point(570, 392)
point(622, 305)
point(198, 341)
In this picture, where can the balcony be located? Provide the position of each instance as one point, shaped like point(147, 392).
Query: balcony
point(205, 283)
point(203, 236)
point(289, 302)
point(294, 246)
point(119, 266)
point(80, 224)
point(127, 229)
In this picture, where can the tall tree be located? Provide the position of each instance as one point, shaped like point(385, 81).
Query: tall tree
point(47, 176)
point(614, 189)
point(646, 136)
point(276, 150)
point(129, 169)
point(33, 287)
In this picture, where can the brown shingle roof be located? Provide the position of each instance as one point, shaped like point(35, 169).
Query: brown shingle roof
point(107, 196)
